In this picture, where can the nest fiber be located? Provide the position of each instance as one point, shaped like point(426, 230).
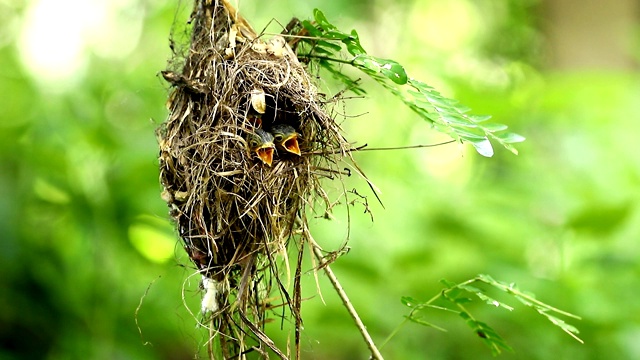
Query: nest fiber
point(237, 207)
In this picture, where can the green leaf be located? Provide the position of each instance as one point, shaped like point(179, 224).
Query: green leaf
point(462, 109)
point(422, 87)
point(494, 127)
point(510, 148)
point(457, 120)
point(330, 45)
point(322, 51)
point(483, 147)
point(472, 323)
point(353, 46)
point(569, 329)
point(479, 118)
point(425, 104)
point(448, 283)
point(463, 300)
point(482, 296)
point(340, 76)
point(374, 65)
point(313, 31)
point(493, 302)
point(425, 323)
point(351, 41)
point(337, 35)
point(366, 64)
point(469, 288)
point(523, 300)
point(394, 71)
point(409, 301)
point(322, 21)
point(453, 293)
point(487, 279)
point(511, 138)
point(468, 134)
point(444, 114)
point(489, 336)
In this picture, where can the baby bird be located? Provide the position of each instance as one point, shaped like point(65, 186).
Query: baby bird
point(260, 142)
point(286, 138)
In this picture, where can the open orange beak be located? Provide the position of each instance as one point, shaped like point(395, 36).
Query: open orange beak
point(291, 144)
point(265, 154)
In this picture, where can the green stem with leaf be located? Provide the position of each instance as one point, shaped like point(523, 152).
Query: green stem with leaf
point(327, 45)
point(456, 294)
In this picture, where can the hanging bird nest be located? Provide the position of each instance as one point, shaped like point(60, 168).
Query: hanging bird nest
point(236, 192)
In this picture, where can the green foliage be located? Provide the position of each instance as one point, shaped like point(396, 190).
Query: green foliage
point(78, 176)
point(457, 295)
point(326, 46)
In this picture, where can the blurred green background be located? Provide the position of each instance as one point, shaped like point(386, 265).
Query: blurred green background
point(86, 237)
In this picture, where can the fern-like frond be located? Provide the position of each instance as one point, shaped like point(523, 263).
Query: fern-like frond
point(328, 45)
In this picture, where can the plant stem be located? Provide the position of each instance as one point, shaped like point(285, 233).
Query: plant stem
point(317, 251)
point(510, 290)
point(309, 56)
point(394, 332)
point(407, 318)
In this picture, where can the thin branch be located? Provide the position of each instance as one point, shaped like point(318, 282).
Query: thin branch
point(297, 297)
point(366, 148)
point(408, 318)
point(516, 292)
point(317, 251)
point(146, 292)
point(310, 56)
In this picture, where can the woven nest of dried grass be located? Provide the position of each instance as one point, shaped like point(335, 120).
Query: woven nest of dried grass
point(235, 213)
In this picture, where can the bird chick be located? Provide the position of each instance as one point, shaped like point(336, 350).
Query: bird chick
point(286, 138)
point(260, 142)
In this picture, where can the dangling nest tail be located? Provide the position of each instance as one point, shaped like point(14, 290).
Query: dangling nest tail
point(234, 211)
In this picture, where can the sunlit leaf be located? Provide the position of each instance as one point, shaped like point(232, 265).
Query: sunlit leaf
point(469, 134)
point(483, 147)
point(511, 137)
point(494, 127)
point(457, 120)
point(510, 148)
point(479, 118)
